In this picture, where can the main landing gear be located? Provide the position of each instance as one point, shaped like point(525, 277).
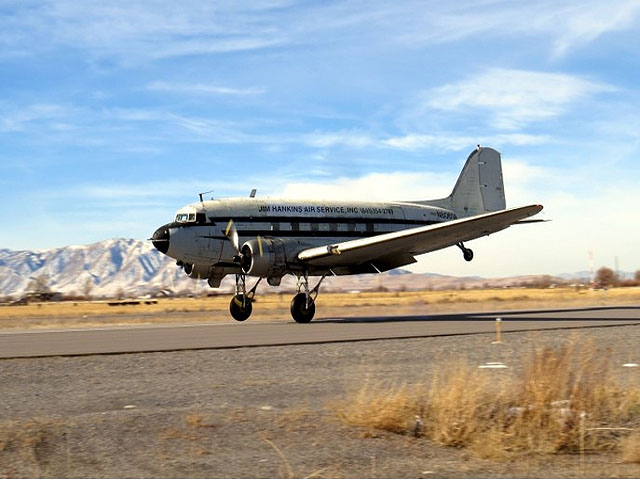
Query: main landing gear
point(303, 306)
point(240, 306)
point(467, 253)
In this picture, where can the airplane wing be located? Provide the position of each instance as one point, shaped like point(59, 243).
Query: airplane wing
point(414, 241)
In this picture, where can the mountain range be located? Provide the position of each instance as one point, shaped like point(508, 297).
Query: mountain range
point(130, 267)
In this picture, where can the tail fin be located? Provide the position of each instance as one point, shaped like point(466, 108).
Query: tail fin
point(479, 188)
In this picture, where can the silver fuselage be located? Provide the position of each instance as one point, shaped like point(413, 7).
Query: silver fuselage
point(200, 236)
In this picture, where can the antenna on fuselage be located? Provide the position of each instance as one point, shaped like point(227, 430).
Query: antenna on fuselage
point(253, 193)
point(203, 193)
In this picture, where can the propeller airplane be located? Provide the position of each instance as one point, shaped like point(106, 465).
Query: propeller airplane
point(269, 237)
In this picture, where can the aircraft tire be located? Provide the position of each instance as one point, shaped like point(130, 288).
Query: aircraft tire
point(237, 312)
point(299, 310)
point(467, 254)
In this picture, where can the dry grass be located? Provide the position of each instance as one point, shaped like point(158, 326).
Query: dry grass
point(194, 422)
point(172, 310)
point(565, 399)
point(286, 470)
point(199, 419)
point(28, 434)
point(630, 448)
point(295, 418)
point(458, 403)
point(28, 447)
point(375, 406)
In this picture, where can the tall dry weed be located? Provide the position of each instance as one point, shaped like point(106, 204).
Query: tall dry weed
point(384, 408)
point(564, 398)
point(459, 404)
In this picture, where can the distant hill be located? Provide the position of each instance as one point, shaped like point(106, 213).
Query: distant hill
point(112, 265)
point(135, 267)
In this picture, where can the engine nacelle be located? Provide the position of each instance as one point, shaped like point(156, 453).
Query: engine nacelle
point(270, 261)
point(196, 271)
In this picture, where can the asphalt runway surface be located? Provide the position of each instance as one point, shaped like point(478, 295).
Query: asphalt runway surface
point(158, 338)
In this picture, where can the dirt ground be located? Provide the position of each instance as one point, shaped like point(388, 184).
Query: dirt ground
point(259, 412)
point(275, 307)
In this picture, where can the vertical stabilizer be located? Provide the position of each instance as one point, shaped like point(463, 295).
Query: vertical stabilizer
point(479, 188)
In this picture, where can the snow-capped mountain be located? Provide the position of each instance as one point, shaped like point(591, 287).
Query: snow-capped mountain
point(103, 268)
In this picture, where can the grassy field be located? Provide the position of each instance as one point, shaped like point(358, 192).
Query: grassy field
point(276, 306)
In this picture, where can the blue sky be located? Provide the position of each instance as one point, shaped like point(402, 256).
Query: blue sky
point(115, 114)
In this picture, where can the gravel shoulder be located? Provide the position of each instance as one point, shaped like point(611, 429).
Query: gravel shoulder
point(258, 412)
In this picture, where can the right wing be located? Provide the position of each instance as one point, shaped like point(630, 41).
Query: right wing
point(414, 241)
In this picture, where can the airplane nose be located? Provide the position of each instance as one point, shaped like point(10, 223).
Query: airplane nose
point(160, 239)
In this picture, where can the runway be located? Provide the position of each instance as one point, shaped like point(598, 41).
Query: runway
point(90, 341)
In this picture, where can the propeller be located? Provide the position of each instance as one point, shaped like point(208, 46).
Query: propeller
point(244, 254)
point(232, 234)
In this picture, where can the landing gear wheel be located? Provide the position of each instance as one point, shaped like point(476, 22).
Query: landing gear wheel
point(467, 253)
point(239, 312)
point(299, 310)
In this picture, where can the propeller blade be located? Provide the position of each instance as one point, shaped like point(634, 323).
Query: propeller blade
point(259, 238)
point(232, 234)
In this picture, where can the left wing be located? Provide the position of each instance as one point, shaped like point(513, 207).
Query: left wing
point(414, 241)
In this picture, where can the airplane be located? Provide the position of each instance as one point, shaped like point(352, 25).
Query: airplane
point(272, 237)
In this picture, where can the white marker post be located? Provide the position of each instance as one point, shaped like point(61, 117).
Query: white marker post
point(498, 331)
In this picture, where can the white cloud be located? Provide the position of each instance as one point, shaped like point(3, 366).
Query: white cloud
point(415, 141)
point(353, 139)
point(513, 98)
point(448, 142)
point(147, 29)
point(404, 186)
point(20, 119)
point(567, 24)
point(583, 24)
point(201, 88)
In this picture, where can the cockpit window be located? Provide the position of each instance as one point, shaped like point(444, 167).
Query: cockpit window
point(186, 217)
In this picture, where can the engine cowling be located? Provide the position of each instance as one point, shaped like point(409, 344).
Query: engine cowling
point(270, 261)
point(196, 271)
